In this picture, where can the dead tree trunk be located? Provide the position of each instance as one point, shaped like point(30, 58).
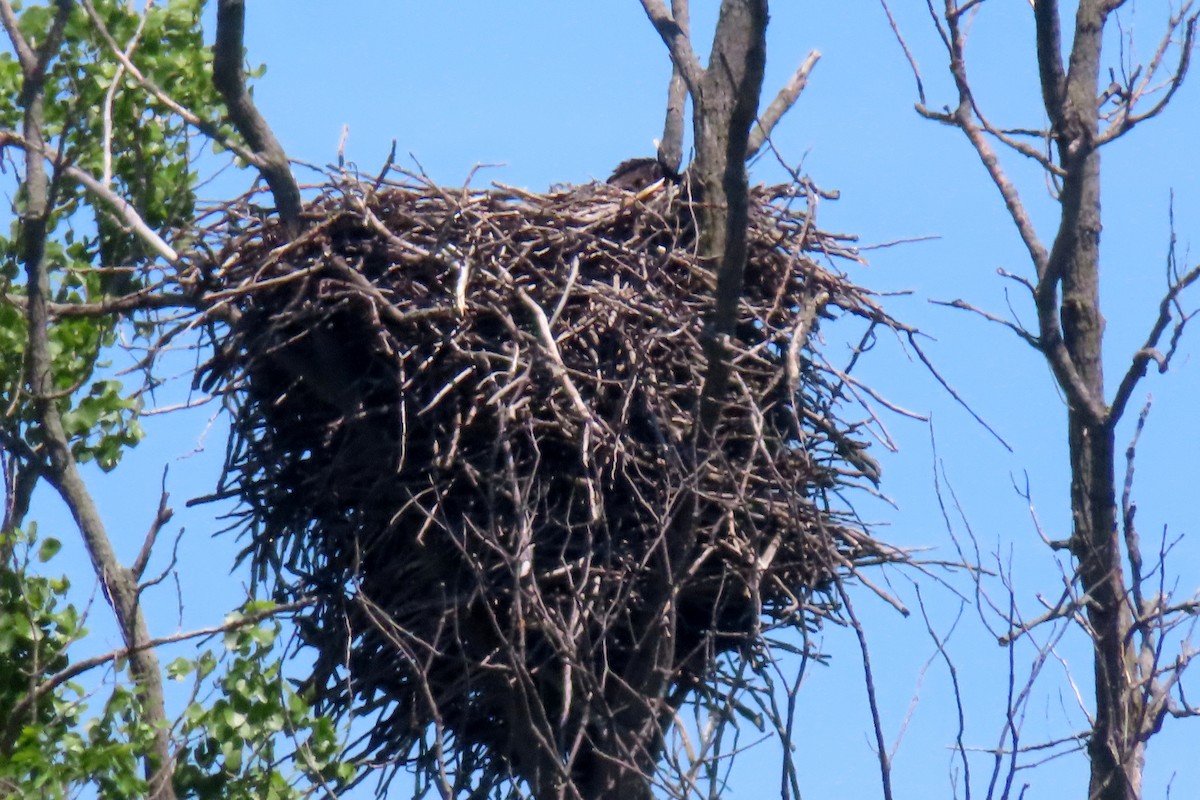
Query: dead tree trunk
point(1115, 749)
point(1073, 104)
point(723, 112)
point(1131, 686)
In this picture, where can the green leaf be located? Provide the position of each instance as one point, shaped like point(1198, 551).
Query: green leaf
point(48, 549)
point(180, 668)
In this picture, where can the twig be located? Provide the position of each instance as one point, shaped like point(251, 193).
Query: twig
point(963, 305)
point(954, 393)
point(161, 518)
point(1148, 351)
point(547, 340)
point(881, 753)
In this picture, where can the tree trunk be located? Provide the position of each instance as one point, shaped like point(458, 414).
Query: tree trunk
point(1114, 748)
point(725, 99)
point(120, 585)
point(723, 115)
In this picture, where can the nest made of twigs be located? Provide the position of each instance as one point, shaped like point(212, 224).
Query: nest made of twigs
point(466, 423)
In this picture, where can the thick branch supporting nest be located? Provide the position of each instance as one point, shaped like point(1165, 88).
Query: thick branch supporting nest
point(466, 422)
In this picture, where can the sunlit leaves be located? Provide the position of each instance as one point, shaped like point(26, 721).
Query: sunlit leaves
point(245, 734)
point(103, 423)
point(230, 746)
point(234, 735)
point(99, 118)
point(36, 628)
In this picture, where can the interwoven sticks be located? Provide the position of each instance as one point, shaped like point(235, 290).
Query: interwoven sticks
point(466, 422)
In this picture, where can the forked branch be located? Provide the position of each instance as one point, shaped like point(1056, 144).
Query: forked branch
point(1137, 90)
point(675, 35)
point(1168, 310)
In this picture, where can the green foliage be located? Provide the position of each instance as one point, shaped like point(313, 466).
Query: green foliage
point(103, 423)
point(101, 120)
point(48, 743)
point(150, 148)
point(235, 737)
point(36, 627)
point(230, 747)
point(238, 728)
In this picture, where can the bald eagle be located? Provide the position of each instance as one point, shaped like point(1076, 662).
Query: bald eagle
point(636, 174)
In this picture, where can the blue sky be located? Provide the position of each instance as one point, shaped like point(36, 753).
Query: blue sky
point(560, 92)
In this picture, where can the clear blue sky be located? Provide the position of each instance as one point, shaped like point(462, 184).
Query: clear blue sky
point(562, 91)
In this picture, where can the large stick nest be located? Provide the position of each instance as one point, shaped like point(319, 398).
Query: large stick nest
point(466, 423)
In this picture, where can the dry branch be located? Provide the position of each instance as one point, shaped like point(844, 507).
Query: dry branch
point(675, 36)
point(670, 149)
point(1129, 701)
point(781, 104)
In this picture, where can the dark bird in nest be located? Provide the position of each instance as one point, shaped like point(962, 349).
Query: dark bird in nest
point(636, 174)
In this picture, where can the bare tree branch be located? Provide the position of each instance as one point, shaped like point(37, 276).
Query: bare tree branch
point(161, 517)
point(141, 300)
point(1025, 335)
point(678, 42)
point(912, 61)
point(1125, 627)
point(958, 398)
point(1008, 191)
point(1050, 59)
point(881, 752)
point(230, 79)
point(779, 106)
point(1125, 119)
point(1149, 349)
point(121, 207)
point(1047, 264)
point(110, 94)
point(670, 149)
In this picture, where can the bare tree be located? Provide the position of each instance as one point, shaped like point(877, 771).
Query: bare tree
point(1124, 618)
